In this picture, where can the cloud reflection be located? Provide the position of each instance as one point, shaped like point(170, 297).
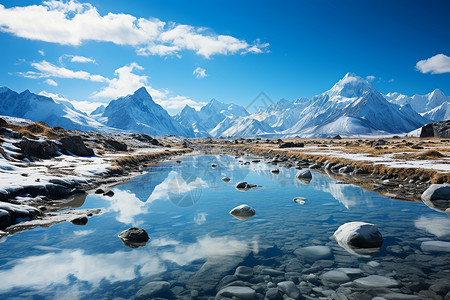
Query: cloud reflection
point(436, 225)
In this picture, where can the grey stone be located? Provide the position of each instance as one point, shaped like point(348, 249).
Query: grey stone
point(437, 197)
point(243, 272)
point(435, 246)
point(242, 212)
point(273, 294)
point(134, 237)
point(375, 281)
point(313, 252)
point(240, 292)
point(335, 276)
point(226, 179)
point(290, 289)
point(243, 185)
point(271, 272)
point(303, 174)
point(152, 289)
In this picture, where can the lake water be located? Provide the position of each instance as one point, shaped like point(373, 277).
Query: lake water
point(195, 244)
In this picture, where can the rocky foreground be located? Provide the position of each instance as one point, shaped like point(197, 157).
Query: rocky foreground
point(43, 169)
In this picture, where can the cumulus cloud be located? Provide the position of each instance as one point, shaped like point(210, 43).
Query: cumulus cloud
point(41, 52)
point(126, 81)
point(437, 64)
point(84, 106)
point(46, 69)
point(72, 23)
point(51, 82)
point(370, 78)
point(199, 72)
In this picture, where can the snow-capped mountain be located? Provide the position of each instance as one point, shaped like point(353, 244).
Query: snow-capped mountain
point(37, 108)
point(433, 105)
point(98, 111)
point(189, 117)
point(351, 107)
point(212, 119)
point(138, 112)
point(242, 127)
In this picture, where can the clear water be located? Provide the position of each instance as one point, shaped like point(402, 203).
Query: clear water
point(184, 208)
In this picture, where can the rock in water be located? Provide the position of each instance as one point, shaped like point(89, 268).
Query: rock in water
point(290, 289)
point(240, 292)
point(242, 212)
point(244, 186)
point(134, 237)
point(304, 173)
point(300, 200)
point(80, 220)
point(275, 171)
point(313, 253)
point(435, 246)
point(153, 289)
point(243, 272)
point(437, 197)
point(359, 238)
point(335, 276)
point(376, 281)
point(226, 179)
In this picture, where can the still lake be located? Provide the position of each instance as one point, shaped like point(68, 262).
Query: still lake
point(195, 244)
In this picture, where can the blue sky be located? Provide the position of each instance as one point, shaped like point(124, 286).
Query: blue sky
point(187, 52)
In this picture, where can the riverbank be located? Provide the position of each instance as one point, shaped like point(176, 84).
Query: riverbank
point(398, 168)
point(43, 169)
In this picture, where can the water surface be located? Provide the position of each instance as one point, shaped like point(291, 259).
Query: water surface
point(184, 208)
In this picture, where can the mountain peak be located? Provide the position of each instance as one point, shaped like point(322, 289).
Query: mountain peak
point(350, 86)
point(436, 93)
point(141, 91)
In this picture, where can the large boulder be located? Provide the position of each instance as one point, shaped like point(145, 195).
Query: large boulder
point(75, 145)
point(359, 238)
point(37, 148)
point(242, 212)
point(438, 129)
point(303, 174)
point(118, 146)
point(153, 289)
point(236, 292)
point(134, 237)
point(437, 197)
point(291, 145)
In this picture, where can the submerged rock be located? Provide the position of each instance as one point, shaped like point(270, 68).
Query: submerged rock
point(375, 281)
point(226, 179)
point(359, 238)
point(240, 292)
point(435, 246)
point(300, 200)
point(134, 237)
point(244, 186)
point(335, 276)
point(290, 289)
point(437, 197)
point(153, 289)
point(313, 252)
point(242, 212)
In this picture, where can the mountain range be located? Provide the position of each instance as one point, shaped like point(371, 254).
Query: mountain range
point(352, 107)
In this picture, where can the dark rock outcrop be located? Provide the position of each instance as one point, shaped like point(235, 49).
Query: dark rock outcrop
point(438, 129)
point(134, 237)
point(291, 145)
point(37, 148)
point(75, 145)
point(118, 146)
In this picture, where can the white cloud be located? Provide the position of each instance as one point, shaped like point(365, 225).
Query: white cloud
point(72, 23)
point(76, 58)
point(199, 72)
point(51, 82)
point(47, 69)
point(437, 64)
point(126, 82)
point(370, 78)
point(391, 80)
point(41, 52)
point(84, 106)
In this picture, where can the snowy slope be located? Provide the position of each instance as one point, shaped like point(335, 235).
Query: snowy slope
point(356, 103)
point(37, 108)
point(215, 112)
point(188, 117)
point(138, 112)
point(433, 105)
point(242, 127)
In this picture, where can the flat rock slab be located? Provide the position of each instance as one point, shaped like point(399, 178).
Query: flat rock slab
point(336, 276)
point(314, 252)
point(375, 281)
point(289, 288)
point(435, 246)
point(240, 292)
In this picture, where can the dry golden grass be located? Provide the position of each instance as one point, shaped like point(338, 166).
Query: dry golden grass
point(134, 160)
point(34, 129)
